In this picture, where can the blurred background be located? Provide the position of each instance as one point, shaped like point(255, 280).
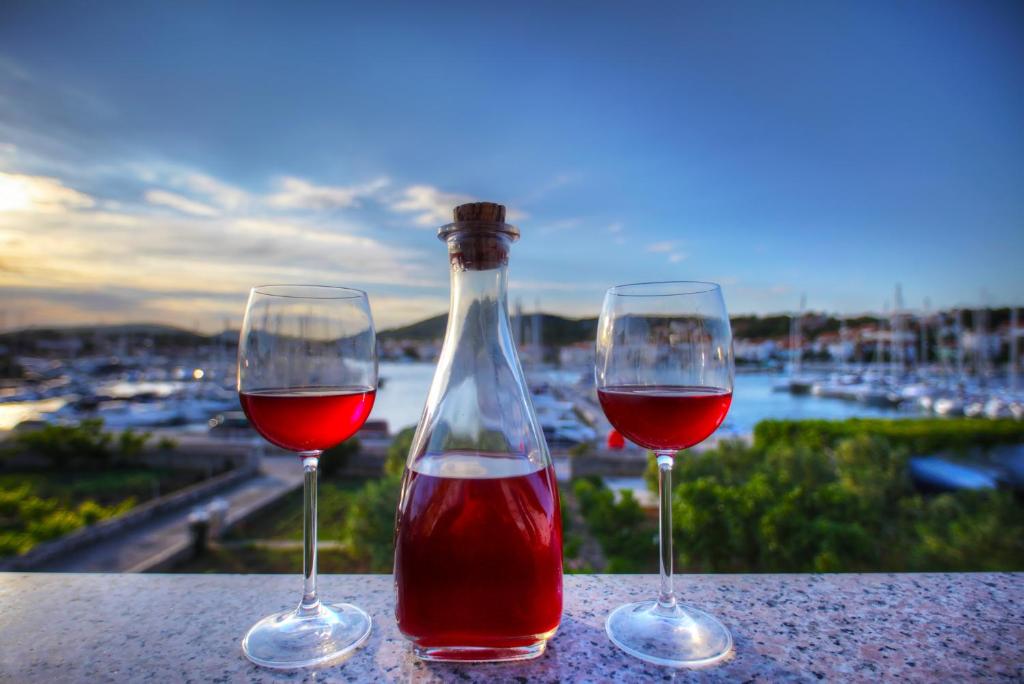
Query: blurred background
point(850, 173)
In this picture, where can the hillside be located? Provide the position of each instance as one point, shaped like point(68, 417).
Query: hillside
point(160, 335)
point(557, 330)
point(427, 329)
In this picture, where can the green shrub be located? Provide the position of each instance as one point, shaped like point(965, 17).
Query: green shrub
point(334, 460)
point(622, 527)
point(370, 524)
point(13, 543)
point(28, 519)
point(571, 546)
point(398, 452)
point(369, 529)
point(920, 435)
point(82, 446)
point(836, 496)
point(33, 508)
point(62, 445)
point(581, 450)
point(91, 512)
point(55, 524)
point(167, 444)
point(130, 444)
point(10, 503)
point(981, 530)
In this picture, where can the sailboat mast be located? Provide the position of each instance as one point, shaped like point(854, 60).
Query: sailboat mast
point(799, 341)
point(958, 329)
point(923, 327)
point(1014, 369)
point(980, 360)
point(842, 343)
point(880, 337)
point(792, 345)
point(535, 328)
point(519, 323)
point(896, 331)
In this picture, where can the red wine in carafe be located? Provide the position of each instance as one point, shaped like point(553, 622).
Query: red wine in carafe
point(479, 548)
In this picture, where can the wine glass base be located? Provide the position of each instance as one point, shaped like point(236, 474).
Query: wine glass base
point(304, 638)
point(676, 636)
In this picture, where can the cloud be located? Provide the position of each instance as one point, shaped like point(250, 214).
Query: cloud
point(133, 250)
point(433, 207)
point(661, 247)
point(430, 205)
point(547, 286)
point(124, 248)
point(220, 193)
point(669, 247)
point(615, 227)
point(297, 193)
point(42, 194)
point(558, 181)
point(179, 203)
point(560, 225)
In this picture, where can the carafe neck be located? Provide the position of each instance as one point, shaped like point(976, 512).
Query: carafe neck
point(479, 287)
point(479, 403)
point(479, 300)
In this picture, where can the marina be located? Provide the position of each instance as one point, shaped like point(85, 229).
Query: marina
point(176, 399)
point(896, 366)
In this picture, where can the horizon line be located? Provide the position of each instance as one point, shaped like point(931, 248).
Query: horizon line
point(785, 314)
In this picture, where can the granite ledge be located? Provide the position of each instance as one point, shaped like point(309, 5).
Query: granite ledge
point(851, 627)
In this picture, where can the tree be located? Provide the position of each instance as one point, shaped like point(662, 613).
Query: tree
point(85, 445)
point(370, 525)
point(334, 460)
point(827, 496)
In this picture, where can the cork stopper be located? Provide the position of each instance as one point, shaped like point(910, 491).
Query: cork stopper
point(478, 238)
point(481, 217)
point(489, 212)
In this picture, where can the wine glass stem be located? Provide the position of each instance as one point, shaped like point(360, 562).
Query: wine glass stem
point(667, 597)
point(310, 601)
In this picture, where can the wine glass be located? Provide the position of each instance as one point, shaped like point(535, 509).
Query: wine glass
point(307, 378)
point(664, 375)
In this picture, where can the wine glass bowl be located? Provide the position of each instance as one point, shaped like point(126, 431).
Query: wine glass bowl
point(307, 379)
point(664, 377)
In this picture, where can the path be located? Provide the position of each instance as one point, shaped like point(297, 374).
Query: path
point(157, 542)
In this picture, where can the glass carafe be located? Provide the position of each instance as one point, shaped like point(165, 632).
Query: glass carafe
point(478, 544)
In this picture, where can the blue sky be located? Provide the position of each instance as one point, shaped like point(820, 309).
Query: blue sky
point(158, 159)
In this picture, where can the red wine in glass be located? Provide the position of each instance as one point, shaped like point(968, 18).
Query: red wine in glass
point(308, 419)
point(480, 557)
point(665, 416)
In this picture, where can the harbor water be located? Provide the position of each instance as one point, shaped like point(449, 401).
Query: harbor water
point(401, 399)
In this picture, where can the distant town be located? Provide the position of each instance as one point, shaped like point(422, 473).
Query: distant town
point(967, 340)
point(952, 362)
point(981, 336)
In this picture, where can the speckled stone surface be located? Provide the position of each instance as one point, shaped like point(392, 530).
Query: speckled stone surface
point(188, 628)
